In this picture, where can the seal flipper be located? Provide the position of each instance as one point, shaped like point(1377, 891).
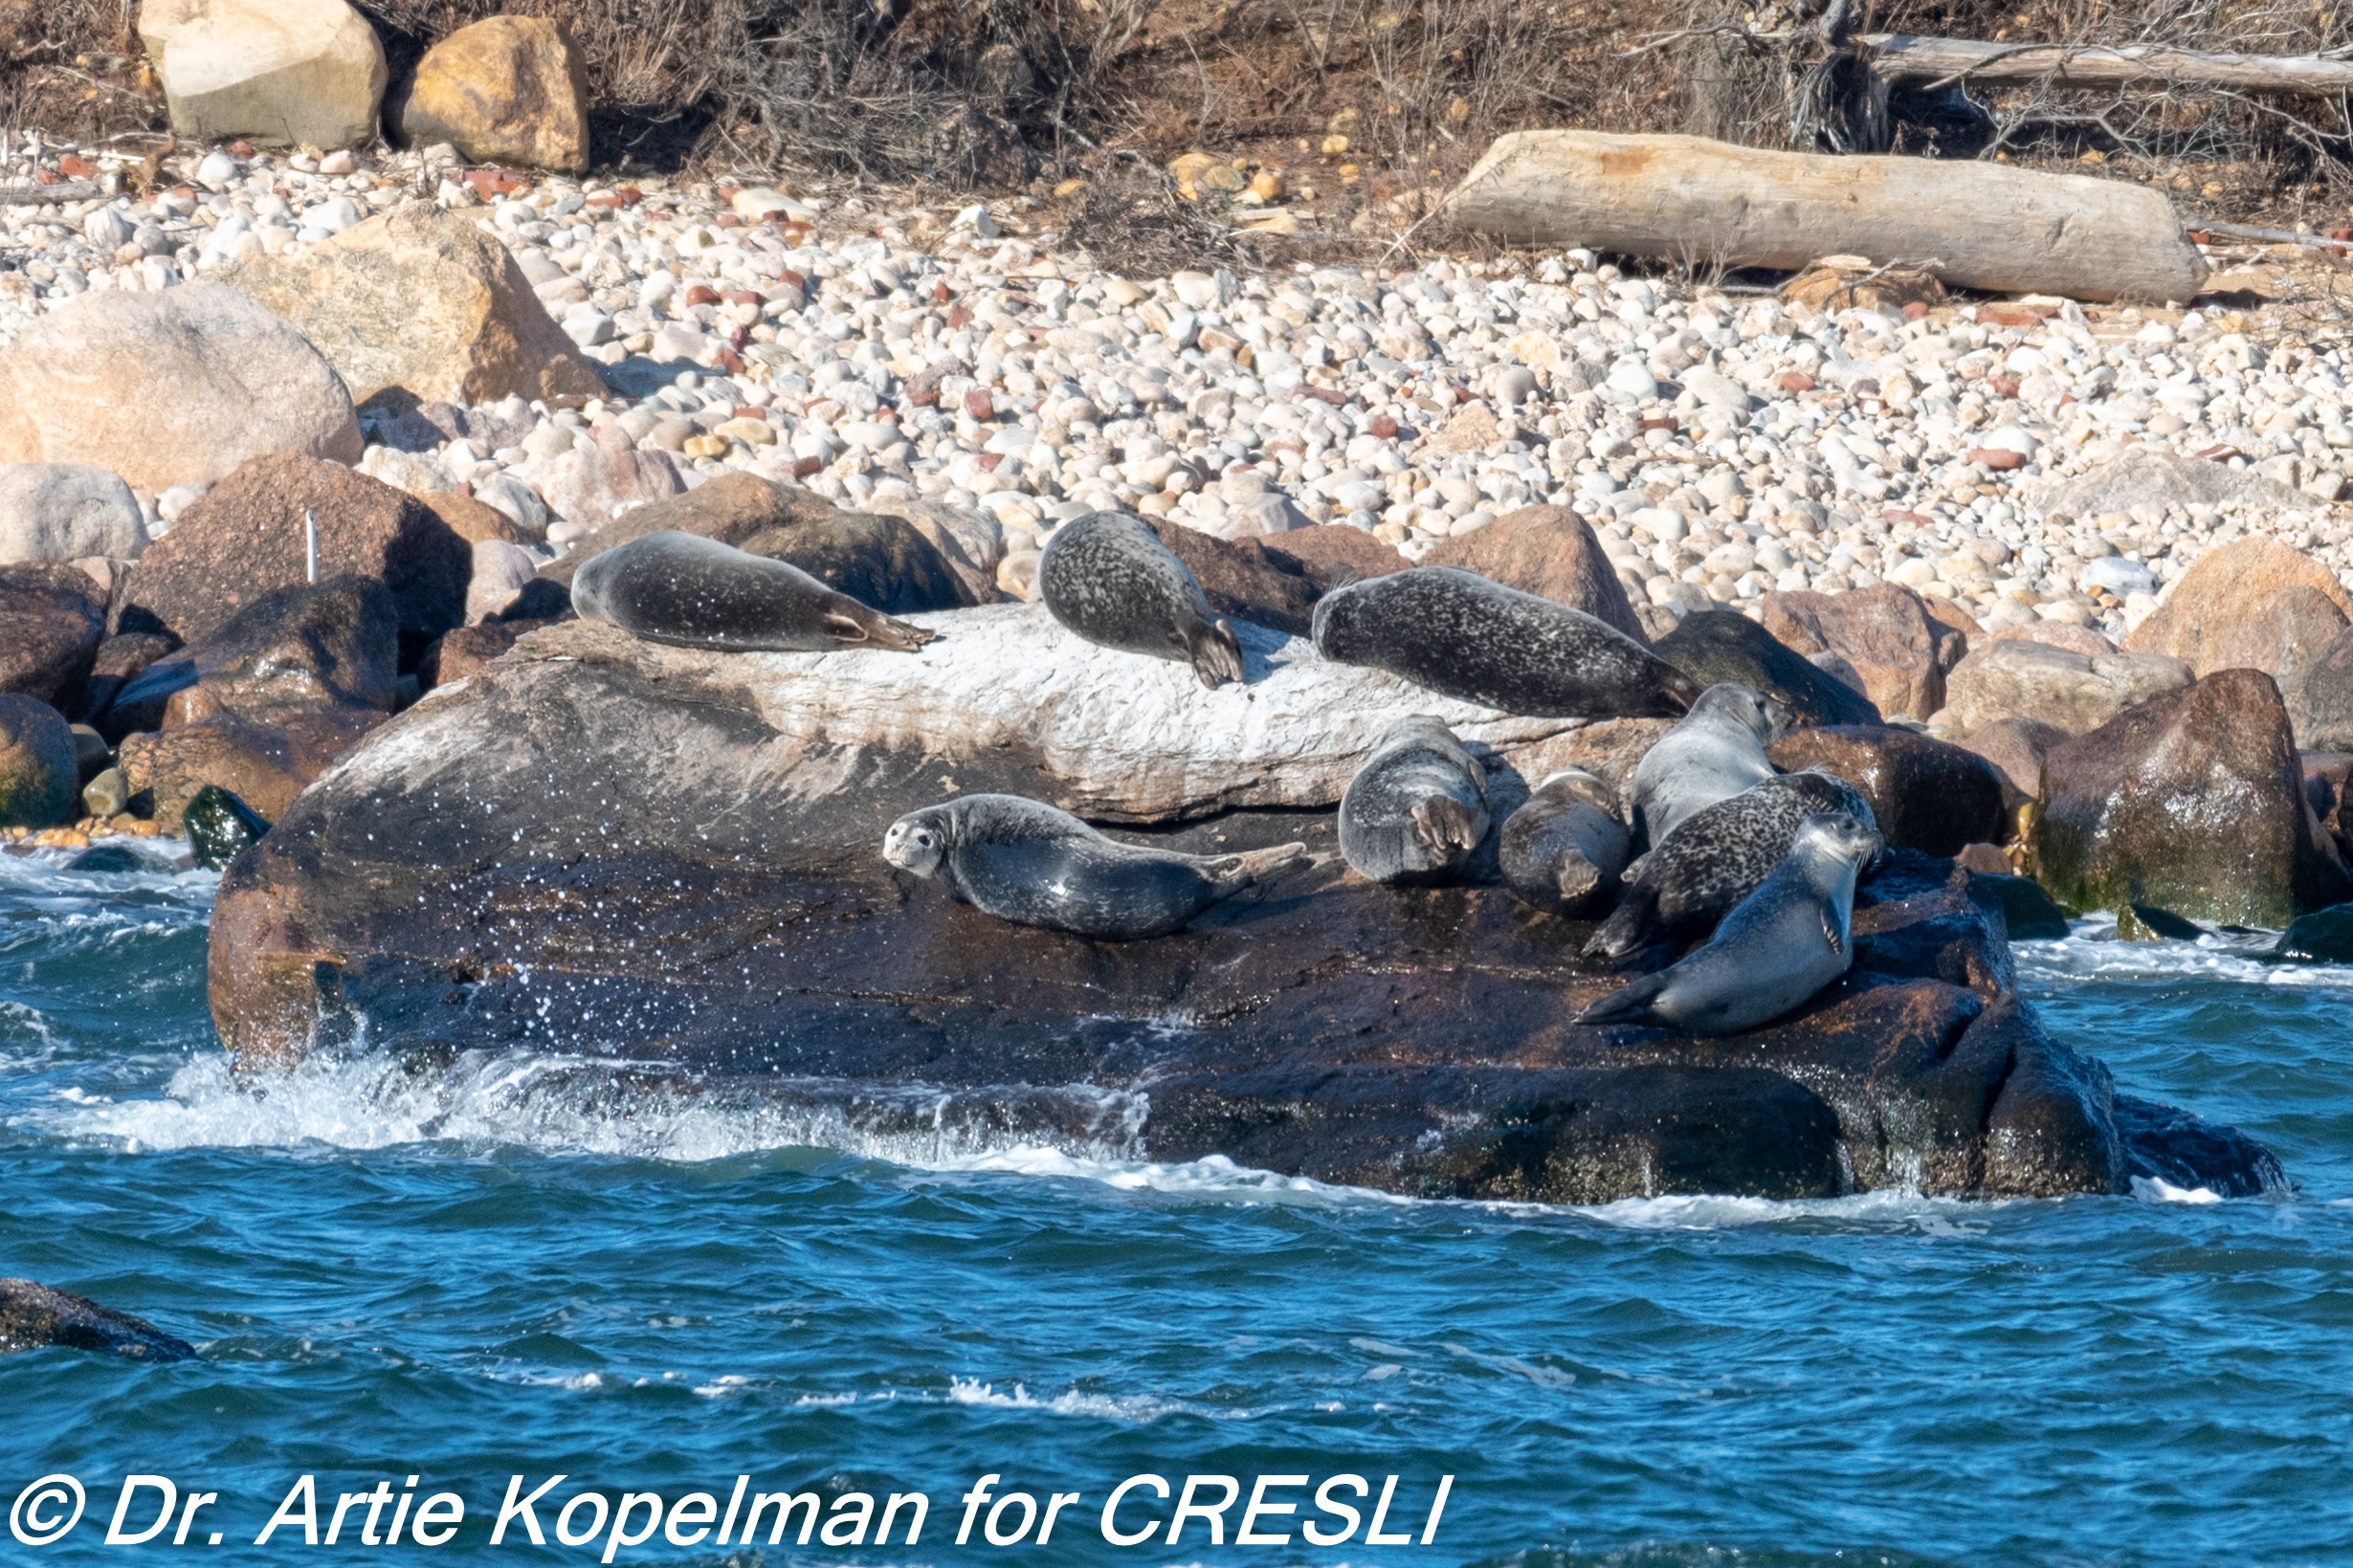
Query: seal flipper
point(886, 632)
point(1250, 866)
point(1630, 925)
point(1215, 653)
point(1444, 825)
point(1829, 930)
point(1628, 1004)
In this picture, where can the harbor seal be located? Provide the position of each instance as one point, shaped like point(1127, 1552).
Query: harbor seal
point(1563, 849)
point(1024, 861)
point(1718, 857)
point(1779, 946)
point(1417, 808)
point(1714, 754)
point(1109, 578)
point(695, 592)
point(1457, 633)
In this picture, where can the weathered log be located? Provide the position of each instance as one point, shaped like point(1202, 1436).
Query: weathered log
point(1905, 58)
point(1983, 226)
point(44, 195)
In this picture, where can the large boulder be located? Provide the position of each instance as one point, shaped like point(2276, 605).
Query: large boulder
point(53, 618)
point(65, 512)
point(2318, 692)
point(39, 775)
point(33, 1316)
point(1719, 645)
point(120, 660)
point(245, 538)
point(2051, 685)
point(608, 476)
point(508, 89)
point(1886, 633)
point(1332, 554)
point(265, 765)
point(879, 561)
point(697, 835)
point(302, 72)
point(2016, 748)
point(177, 387)
point(2147, 475)
point(302, 650)
point(1927, 795)
point(1242, 579)
point(422, 300)
point(1548, 551)
point(2193, 804)
point(2220, 615)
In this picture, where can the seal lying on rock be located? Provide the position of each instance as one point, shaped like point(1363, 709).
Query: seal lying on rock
point(1714, 754)
point(1718, 857)
point(1417, 808)
point(1563, 849)
point(1463, 637)
point(1109, 578)
point(1023, 860)
point(1779, 946)
point(696, 592)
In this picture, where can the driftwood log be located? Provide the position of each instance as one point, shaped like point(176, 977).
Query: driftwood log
point(1684, 198)
point(1901, 57)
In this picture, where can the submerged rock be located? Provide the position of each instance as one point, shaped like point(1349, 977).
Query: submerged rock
point(2325, 935)
point(220, 826)
point(33, 1316)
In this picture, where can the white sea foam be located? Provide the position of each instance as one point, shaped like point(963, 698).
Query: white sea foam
point(2090, 952)
point(1137, 1407)
point(2156, 1189)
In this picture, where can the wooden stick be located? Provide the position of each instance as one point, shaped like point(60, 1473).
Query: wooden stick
point(1905, 58)
point(40, 195)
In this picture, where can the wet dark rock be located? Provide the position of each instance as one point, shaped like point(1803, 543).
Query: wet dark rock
point(120, 660)
point(2028, 912)
point(735, 926)
point(52, 616)
point(1718, 645)
point(1927, 795)
point(38, 775)
point(2167, 1145)
point(2325, 935)
point(107, 858)
point(2192, 803)
point(301, 650)
point(32, 1317)
point(220, 826)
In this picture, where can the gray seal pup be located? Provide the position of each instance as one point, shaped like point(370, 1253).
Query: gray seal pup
point(1563, 849)
point(1417, 808)
point(1778, 948)
point(1461, 635)
point(1718, 857)
point(1714, 753)
point(695, 592)
point(1025, 861)
point(1108, 577)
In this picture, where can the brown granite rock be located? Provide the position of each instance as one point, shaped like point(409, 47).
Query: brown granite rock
point(509, 90)
point(2014, 678)
point(1721, 645)
point(244, 539)
point(265, 765)
point(1241, 580)
point(1927, 795)
point(2076, 639)
point(2221, 611)
point(2193, 804)
point(298, 650)
point(464, 651)
point(53, 617)
point(1549, 551)
point(1610, 749)
point(2328, 775)
point(473, 521)
point(39, 775)
point(1885, 631)
point(121, 659)
point(2016, 747)
point(588, 485)
point(1332, 554)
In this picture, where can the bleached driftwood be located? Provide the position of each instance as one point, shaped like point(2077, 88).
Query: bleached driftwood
point(1684, 198)
point(1905, 58)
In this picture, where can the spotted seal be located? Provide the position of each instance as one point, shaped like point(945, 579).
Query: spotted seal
point(696, 592)
point(1718, 857)
point(1108, 577)
point(1024, 861)
point(1417, 808)
point(1714, 753)
point(1779, 946)
point(1461, 635)
point(1565, 848)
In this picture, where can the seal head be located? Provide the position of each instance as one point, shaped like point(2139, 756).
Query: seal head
point(1714, 753)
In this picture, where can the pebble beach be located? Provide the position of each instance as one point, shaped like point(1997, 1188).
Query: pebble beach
point(893, 345)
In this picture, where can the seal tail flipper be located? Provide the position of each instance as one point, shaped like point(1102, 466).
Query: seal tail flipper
point(1216, 655)
point(1444, 825)
point(1254, 865)
point(1628, 1004)
point(901, 636)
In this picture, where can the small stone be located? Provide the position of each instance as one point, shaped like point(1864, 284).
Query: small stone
point(106, 795)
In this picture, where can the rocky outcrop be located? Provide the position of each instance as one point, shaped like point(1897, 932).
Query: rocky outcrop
point(2016, 748)
point(299, 72)
point(245, 538)
point(51, 620)
point(1547, 551)
point(294, 651)
point(1927, 795)
point(1332, 554)
point(266, 766)
point(2318, 692)
point(883, 561)
point(678, 851)
point(65, 512)
point(2193, 804)
point(1718, 645)
point(2053, 686)
point(422, 300)
point(1885, 633)
point(33, 1316)
point(510, 90)
point(2220, 615)
point(176, 387)
point(39, 776)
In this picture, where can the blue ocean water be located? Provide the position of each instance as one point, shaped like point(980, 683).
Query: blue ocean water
point(510, 1267)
